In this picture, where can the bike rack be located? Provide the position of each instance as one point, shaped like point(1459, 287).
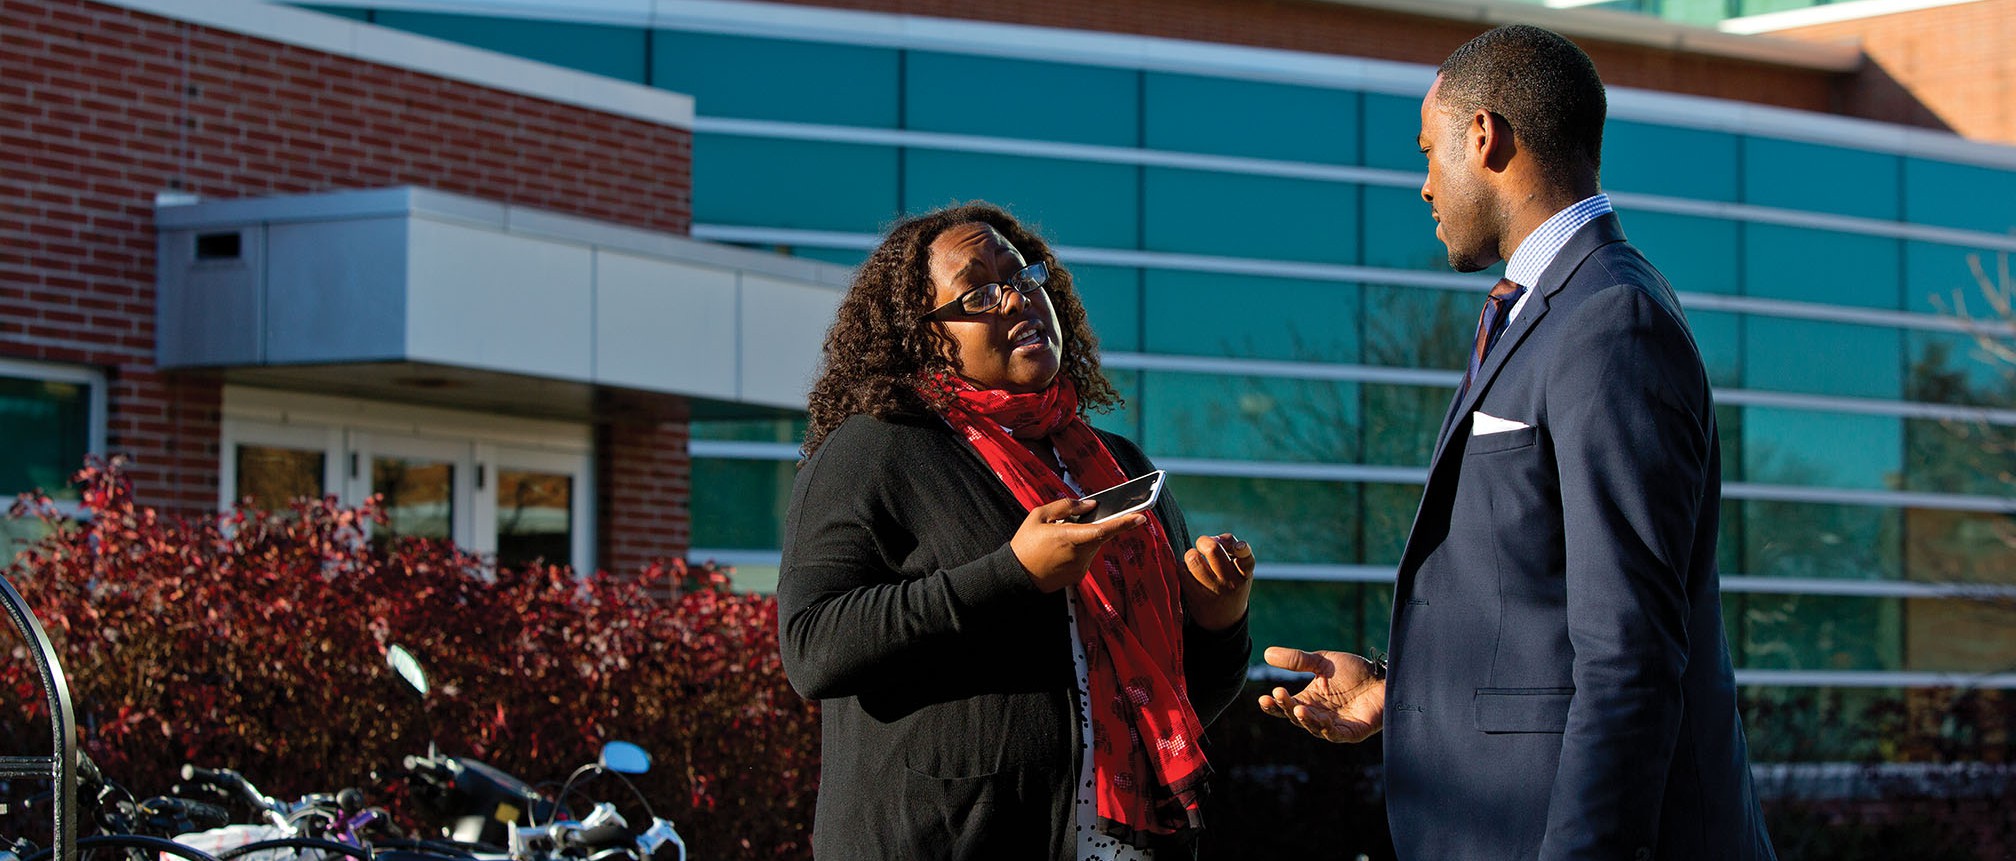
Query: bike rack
point(61, 767)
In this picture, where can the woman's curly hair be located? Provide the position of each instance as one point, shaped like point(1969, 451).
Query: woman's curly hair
point(880, 347)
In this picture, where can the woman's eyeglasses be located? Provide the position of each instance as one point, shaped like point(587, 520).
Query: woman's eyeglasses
point(988, 297)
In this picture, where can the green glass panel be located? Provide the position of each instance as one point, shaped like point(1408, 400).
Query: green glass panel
point(1820, 540)
point(1961, 547)
point(1719, 337)
point(1821, 632)
point(1644, 158)
point(1822, 358)
point(1957, 280)
point(1250, 418)
point(1399, 234)
point(1187, 113)
point(1112, 299)
point(1960, 635)
point(778, 79)
point(614, 52)
point(1278, 318)
point(1389, 516)
point(1953, 456)
point(1125, 419)
point(1815, 449)
point(1066, 202)
point(1818, 724)
point(803, 185)
point(1821, 266)
point(45, 429)
point(1698, 255)
point(1401, 422)
point(270, 477)
point(1393, 133)
point(1959, 195)
point(1323, 526)
point(1308, 615)
point(1412, 327)
point(1803, 176)
point(1214, 214)
point(739, 504)
point(535, 517)
point(849, 257)
point(750, 430)
point(1021, 99)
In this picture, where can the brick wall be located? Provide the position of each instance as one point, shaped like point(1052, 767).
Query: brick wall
point(100, 108)
point(643, 480)
point(1333, 28)
point(1954, 63)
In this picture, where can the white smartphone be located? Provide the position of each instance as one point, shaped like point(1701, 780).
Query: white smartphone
point(1122, 499)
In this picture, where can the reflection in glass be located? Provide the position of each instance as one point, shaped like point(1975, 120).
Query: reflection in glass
point(1961, 635)
point(1820, 539)
point(45, 427)
point(1820, 632)
point(419, 498)
point(1289, 520)
point(740, 503)
point(269, 477)
point(1304, 613)
point(535, 517)
point(1250, 418)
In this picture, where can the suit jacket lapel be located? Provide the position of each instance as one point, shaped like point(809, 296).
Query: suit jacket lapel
point(1594, 235)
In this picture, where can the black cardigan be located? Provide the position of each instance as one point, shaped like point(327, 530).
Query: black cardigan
point(949, 723)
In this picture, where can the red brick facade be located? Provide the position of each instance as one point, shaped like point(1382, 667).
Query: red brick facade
point(101, 108)
point(1952, 63)
point(643, 481)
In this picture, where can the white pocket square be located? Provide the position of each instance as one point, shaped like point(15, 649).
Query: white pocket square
point(1483, 424)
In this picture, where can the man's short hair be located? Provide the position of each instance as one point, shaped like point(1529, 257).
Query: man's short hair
point(1541, 84)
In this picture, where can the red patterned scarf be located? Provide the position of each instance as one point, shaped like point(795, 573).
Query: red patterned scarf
point(1148, 772)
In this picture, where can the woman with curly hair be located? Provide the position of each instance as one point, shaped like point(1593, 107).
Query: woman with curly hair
point(997, 682)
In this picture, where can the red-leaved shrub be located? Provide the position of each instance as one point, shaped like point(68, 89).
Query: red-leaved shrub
point(257, 642)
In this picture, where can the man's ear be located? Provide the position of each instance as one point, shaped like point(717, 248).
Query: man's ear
point(1490, 139)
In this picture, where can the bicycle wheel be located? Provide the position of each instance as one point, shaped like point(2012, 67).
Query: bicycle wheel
point(293, 848)
point(127, 847)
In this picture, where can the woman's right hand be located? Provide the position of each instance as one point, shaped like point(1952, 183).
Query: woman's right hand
point(1056, 553)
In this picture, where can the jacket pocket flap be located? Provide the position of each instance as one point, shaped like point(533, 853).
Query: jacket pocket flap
point(1502, 441)
point(1522, 709)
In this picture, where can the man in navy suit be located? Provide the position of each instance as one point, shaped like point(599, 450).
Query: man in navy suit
point(1558, 685)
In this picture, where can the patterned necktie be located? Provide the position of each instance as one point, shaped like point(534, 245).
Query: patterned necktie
point(1490, 324)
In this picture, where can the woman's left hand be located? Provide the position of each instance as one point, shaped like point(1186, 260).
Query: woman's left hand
point(1221, 578)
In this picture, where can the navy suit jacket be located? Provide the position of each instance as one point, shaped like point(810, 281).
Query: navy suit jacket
point(1560, 684)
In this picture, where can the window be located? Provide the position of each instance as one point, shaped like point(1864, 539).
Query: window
point(51, 416)
point(518, 489)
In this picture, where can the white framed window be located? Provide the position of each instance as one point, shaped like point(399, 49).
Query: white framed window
point(51, 417)
point(518, 489)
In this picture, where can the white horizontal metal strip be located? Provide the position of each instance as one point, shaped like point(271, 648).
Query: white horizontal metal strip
point(1873, 679)
point(1282, 369)
point(1748, 583)
point(1874, 498)
point(1364, 275)
point(1289, 470)
point(1775, 678)
point(1814, 220)
point(729, 556)
point(1352, 472)
point(1625, 200)
point(1866, 406)
point(1731, 583)
point(738, 450)
point(1058, 150)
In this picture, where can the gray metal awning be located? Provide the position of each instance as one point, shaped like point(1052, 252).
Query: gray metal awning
point(414, 294)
